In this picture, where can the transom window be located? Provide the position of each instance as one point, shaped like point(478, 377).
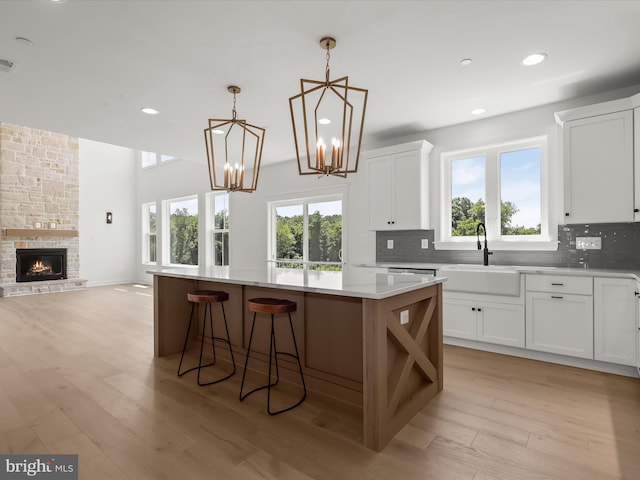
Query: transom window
point(503, 186)
point(307, 233)
point(151, 159)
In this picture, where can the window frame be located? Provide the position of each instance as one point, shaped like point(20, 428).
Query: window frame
point(547, 240)
point(166, 230)
point(146, 251)
point(315, 197)
point(211, 230)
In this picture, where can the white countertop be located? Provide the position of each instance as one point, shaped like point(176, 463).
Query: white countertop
point(572, 271)
point(353, 281)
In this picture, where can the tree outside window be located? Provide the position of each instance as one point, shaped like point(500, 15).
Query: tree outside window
point(500, 186)
point(183, 231)
point(309, 235)
point(149, 223)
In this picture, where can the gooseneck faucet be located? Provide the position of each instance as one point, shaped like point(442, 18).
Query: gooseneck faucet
point(486, 251)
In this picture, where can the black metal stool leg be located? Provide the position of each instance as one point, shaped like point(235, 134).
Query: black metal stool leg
point(297, 357)
point(186, 341)
point(213, 339)
point(246, 360)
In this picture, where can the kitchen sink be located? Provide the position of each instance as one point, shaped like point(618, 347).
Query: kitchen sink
point(487, 280)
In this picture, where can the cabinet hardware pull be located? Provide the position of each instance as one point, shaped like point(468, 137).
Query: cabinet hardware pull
point(566, 214)
point(473, 309)
point(557, 296)
point(558, 284)
point(636, 210)
point(479, 309)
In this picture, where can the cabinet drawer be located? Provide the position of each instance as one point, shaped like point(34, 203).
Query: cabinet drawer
point(560, 284)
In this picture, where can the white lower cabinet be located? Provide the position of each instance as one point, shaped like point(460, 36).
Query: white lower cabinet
point(614, 305)
point(474, 318)
point(560, 324)
point(557, 321)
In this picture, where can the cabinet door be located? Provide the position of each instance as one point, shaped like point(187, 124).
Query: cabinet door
point(408, 202)
point(614, 320)
point(598, 156)
point(560, 323)
point(501, 323)
point(380, 193)
point(459, 319)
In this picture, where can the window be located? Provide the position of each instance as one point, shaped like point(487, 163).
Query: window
point(151, 159)
point(307, 233)
point(181, 231)
point(219, 233)
point(502, 186)
point(149, 237)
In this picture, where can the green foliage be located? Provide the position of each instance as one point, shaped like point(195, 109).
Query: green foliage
point(466, 215)
point(183, 229)
point(325, 238)
point(221, 239)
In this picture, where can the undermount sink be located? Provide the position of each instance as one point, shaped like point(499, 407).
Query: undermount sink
point(488, 280)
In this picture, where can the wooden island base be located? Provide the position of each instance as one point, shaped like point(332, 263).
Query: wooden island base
point(352, 349)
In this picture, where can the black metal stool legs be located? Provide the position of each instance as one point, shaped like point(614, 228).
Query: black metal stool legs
point(227, 340)
point(273, 358)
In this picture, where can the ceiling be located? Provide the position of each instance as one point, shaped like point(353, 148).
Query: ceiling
point(94, 64)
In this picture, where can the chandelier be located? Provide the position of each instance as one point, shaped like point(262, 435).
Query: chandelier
point(327, 115)
point(234, 151)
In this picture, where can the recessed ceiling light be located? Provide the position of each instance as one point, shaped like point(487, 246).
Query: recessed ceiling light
point(324, 121)
point(465, 61)
point(217, 131)
point(150, 111)
point(534, 59)
point(478, 111)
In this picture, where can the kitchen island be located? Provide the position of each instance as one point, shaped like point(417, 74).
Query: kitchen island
point(373, 340)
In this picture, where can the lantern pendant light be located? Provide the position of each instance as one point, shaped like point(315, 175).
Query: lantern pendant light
point(328, 119)
point(234, 151)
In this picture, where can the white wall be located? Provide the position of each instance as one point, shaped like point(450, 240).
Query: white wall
point(107, 184)
point(248, 228)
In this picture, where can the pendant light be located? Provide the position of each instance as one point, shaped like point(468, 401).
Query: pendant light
point(328, 119)
point(234, 151)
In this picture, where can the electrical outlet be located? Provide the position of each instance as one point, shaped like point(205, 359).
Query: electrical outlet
point(38, 224)
point(424, 243)
point(390, 244)
point(404, 317)
point(589, 243)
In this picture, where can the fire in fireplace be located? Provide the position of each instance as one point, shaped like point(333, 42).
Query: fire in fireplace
point(39, 264)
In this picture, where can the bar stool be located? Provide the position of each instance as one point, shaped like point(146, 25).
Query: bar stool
point(273, 307)
point(208, 298)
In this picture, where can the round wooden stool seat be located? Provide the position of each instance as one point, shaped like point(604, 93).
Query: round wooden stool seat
point(271, 305)
point(207, 296)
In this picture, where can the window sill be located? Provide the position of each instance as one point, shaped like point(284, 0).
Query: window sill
point(496, 245)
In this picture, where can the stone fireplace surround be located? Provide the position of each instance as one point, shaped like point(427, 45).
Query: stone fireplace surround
point(39, 204)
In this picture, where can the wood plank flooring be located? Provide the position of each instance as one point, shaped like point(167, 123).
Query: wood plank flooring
point(77, 375)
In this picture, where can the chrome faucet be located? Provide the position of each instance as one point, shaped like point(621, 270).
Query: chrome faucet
point(486, 251)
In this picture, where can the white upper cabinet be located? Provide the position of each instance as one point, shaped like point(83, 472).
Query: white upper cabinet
point(598, 151)
point(598, 155)
point(398, 186)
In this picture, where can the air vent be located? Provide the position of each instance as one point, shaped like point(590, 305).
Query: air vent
point(6, 65)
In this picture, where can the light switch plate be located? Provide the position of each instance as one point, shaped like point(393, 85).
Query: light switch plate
point(589, 243)
point(424, 243)
point(390, 244)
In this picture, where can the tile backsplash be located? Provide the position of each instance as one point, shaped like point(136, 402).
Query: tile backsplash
point(620, 249)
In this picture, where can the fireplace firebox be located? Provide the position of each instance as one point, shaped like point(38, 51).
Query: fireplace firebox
point(40, 264)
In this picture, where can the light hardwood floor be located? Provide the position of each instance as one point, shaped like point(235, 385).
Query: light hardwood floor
point(77, 375)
